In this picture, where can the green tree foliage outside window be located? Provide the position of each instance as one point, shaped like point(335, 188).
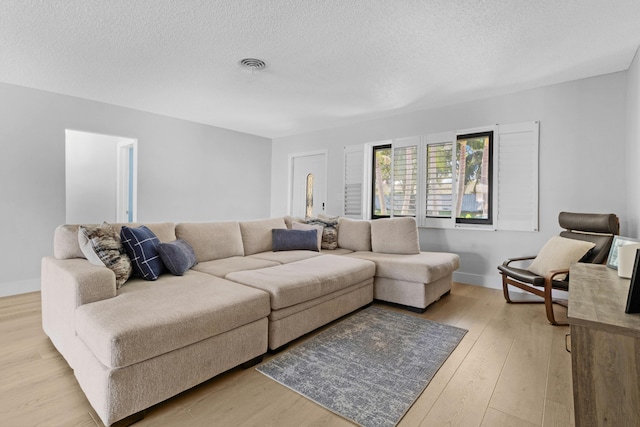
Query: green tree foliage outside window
point(382, 181)
point(474, 180)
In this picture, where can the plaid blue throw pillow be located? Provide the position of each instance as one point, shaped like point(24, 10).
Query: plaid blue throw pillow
point(142, 247)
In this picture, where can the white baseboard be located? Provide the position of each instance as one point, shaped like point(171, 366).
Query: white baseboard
point(493, 282)
point(19, 287)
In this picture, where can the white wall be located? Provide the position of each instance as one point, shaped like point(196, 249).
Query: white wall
point(186, 172)
point(582, 162)
point(633, 147)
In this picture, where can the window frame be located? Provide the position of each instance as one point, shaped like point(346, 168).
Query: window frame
point(372, 176)
point(489, 221)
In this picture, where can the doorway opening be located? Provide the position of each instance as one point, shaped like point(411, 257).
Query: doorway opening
point(100, 178)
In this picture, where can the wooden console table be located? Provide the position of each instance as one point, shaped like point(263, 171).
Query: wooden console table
point(605, 348)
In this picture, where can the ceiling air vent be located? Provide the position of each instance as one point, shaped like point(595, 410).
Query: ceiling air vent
point(252, 64)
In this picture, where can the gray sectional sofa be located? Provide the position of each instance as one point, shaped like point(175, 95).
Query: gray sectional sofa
point(137, 345)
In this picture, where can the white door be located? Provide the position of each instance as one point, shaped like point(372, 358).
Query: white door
point(308, 184)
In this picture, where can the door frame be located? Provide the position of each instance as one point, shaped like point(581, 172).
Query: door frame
point(127, 171)
point(292, 158)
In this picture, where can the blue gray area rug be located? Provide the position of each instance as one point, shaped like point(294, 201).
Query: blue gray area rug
point(369, 368)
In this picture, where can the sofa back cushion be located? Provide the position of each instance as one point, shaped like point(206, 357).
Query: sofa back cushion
point(354, 234)
point(318, 228)
point(212, 240)
point(256, 235)
point(395, 236)
point(65, 237)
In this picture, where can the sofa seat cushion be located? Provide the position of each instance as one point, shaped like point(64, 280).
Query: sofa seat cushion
point(424, 267)
point(300, 281)
point(285, 257)
point(147, 319)
point(337, 251)
point(222, 267)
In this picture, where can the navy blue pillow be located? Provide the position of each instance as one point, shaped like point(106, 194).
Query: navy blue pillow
point(178, 256)
point(292, 240)
point(142, 247)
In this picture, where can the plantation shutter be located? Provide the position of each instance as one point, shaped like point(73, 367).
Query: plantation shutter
point(404, 176)
point(518, 176)
point(439, 178)
point(353, 181)
point(439, 183)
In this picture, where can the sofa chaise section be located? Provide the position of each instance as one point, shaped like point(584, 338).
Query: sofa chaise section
point(404, 274)
point(415, 280)
point(156, 339)
point(138, 345)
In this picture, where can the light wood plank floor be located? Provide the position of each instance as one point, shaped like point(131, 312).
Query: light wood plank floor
point(511, 369)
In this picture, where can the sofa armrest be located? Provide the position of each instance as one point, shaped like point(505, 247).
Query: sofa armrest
point(77, 280)
point(65, 285)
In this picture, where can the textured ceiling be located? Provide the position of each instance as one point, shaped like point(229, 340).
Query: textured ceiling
point(329, 62)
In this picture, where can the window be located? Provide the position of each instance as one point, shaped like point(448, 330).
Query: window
point(381, 179)
point(483, 178)
point(474, 171)
point(308, 212)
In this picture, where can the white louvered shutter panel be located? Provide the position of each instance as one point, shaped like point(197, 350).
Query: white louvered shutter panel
point(518, 176)
point(439, 178)
point(404, 176)
point(353, 181)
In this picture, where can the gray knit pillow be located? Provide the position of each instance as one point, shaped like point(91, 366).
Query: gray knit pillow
point(294, 240)
point(178, 256)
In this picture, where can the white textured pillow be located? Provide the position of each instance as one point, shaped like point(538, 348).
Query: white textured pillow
point(558, 254)
point(318, 228)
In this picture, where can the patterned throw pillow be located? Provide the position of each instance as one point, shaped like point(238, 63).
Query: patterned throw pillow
point(142, 247)
point(101, 246)
point(329, 232)
point(178, 256)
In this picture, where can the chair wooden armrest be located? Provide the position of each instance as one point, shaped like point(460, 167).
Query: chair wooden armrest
point(553, 273)
point(549, 278)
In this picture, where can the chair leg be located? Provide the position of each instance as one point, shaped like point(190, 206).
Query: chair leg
point(548, 305)
point(505, 289)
